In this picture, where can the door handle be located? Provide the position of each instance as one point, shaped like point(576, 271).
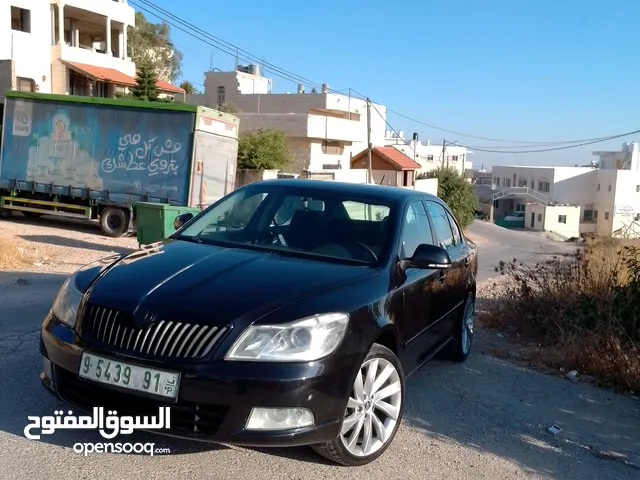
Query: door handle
point(466, 262)
point(443, 277)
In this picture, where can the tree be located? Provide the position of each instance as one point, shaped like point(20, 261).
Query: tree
point(151, 43)
point(263, 149)
point(146, 87)
point(188, 87)
point(456, 192)
point(228, 108)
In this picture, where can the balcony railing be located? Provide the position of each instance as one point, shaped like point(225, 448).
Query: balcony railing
point(91, 56)
point(332, 128)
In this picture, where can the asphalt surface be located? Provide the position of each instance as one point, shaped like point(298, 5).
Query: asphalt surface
point(497, 244)
point(482, 419)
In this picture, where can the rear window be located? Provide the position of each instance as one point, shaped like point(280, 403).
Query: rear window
point(365, 211)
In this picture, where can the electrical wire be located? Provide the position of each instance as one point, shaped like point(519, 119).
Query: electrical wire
point(235, 51)
point(218, 43)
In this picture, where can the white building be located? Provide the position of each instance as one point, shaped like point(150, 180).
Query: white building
point(67, 47)
point(608, 196)
point(324, 129)
point(430, 156)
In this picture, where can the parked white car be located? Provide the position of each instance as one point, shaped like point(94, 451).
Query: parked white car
point(514, 217)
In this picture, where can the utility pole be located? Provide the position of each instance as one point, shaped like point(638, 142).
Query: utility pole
point(369, 145)
point(369, 148)
point(444, 146)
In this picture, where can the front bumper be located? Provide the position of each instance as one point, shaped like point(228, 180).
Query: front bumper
point(215, 397)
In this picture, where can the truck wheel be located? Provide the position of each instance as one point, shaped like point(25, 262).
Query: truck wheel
point(114, 222)
point(31, 214)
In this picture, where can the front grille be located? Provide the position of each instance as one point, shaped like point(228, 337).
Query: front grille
point(164, 339)
point(187, 418)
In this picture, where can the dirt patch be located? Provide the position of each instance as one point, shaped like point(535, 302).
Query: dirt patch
point(55, 245)
point(15, 255)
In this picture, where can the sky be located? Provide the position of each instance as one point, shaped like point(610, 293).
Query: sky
point(522, 70)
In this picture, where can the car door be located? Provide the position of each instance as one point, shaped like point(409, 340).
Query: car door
point(454, 279)
point(419, 287)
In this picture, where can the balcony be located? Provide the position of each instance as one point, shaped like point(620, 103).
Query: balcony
point(116, 10)
point(332, 128)
point(91, 56)
point(83, 36)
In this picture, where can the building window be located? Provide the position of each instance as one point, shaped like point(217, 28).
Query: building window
point(221, 96)
point(544, 187)
point(20, 19)
point(562, 219)
point(332, 148)
point(595, 215)
point(496, 181)
point(606, 215)
point(598, 187)
point(522, 183)
point(609, 187)
point(454, 158)
point(520, 207)
point(539, 217)
point(637, 188)
point(507, 182)
point(430, 158)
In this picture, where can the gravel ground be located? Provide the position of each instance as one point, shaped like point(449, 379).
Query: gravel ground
point(486, 418)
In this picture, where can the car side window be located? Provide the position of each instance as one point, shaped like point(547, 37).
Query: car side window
point(415, 229)
point(441, 225)
point(457, 235)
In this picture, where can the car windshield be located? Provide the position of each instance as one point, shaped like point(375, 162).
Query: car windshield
point(330, 225)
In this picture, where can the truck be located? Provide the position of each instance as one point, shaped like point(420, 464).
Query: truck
point(95, 158)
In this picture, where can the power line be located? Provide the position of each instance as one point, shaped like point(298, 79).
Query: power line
point(218, 43)
point(590, 142)
point(225, 47)
point(600, 140)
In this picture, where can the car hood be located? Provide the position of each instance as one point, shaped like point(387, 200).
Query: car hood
point(211, 284)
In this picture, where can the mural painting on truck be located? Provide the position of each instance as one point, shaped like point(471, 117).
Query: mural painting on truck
point(132, 153)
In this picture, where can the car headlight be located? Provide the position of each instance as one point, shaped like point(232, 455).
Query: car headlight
point(65, 306)
point(303, 340)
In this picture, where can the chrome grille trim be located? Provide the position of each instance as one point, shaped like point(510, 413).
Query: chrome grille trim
point(164, 339)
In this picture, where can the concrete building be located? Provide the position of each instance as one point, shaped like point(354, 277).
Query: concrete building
point(428, 155)
point(324, 129)
point(608, 195)
point(69, 47)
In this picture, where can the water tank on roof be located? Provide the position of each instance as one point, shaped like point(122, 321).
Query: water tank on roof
point(254, 69)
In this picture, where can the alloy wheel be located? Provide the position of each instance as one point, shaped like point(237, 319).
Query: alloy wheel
point(373, 409)
point(467, 324)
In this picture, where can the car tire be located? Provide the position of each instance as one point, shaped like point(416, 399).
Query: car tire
point(114, 222)
point(460, 345)
point(376, 418)
point(31, 214)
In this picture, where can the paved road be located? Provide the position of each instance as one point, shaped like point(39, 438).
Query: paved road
point(496, 244)
point(484, 419)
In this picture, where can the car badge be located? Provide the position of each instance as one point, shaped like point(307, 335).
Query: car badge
point(143, 317)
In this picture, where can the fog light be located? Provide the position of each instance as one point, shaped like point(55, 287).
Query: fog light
point(47, 369)
point(279, 418)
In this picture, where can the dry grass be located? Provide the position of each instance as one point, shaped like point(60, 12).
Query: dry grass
point(582, 310)
point(13, 255)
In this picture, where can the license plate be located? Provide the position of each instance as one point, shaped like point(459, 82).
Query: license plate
point(150, 381)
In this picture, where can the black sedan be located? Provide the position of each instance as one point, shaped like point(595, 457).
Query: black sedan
point(287, 313)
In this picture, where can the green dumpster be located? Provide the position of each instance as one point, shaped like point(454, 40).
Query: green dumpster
point(154, 221)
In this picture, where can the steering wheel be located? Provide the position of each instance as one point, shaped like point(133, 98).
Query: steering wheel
point(363, 246)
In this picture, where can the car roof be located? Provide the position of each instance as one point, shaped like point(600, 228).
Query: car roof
point(383, 192)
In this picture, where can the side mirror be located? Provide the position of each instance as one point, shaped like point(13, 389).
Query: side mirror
point(182, 219)
point(429, 257)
